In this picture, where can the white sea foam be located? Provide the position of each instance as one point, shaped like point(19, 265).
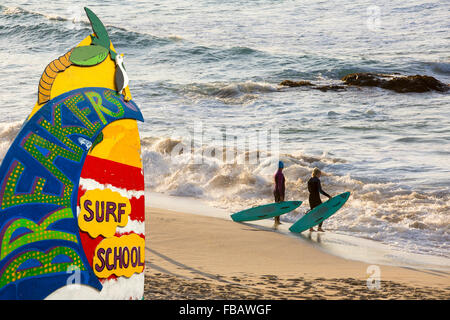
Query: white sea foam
point(12, 10)
point(230, 93)
point(8, 132)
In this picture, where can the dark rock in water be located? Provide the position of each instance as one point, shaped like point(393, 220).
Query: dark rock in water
point(290, 83)
point(397, 83)
point(304, 83)
point(331, 87)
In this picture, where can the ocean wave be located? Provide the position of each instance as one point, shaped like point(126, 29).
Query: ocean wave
point(8, 131)
point(237, 89)
point(11, 10)
point(229, 93)
point(31, 24)
point(24, 25)
point(20, 15)
point(440, 67)
point(123, 37)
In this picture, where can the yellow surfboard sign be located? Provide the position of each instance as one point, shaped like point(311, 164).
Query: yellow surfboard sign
point(120, 256)
point(102, 211)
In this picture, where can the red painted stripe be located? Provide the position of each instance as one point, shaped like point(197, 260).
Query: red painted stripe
point(81, 193)
point(110, 172)
point(137, 209)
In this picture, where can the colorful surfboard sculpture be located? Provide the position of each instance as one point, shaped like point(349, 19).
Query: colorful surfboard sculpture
point(265, 211)
point(72, 186)
point(320, 213)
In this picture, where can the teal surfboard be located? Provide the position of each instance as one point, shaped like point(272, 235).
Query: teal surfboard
point(320, 213)
point(266, 211)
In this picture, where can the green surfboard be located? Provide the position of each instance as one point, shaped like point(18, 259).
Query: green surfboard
point(320, 213)
point(266, 211)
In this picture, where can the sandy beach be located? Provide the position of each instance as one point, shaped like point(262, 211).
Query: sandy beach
point(199, 257)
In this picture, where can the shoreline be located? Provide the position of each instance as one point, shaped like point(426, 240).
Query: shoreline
point(342, 245)
point(191, 256)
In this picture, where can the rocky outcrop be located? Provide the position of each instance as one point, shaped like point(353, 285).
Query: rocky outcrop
point(394, 82)
point(397, 83)
point(293, 84)
point(330, 87)
point(304, 83)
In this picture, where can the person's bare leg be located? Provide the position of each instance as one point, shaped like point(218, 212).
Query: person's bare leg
point(277, 220)
point(320, 228)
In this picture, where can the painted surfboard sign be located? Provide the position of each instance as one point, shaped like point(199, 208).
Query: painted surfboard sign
point(72, 186)
point(265, 211)
point(320, 213)
point(39, 177)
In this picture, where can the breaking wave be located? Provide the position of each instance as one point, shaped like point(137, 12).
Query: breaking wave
point(8, 132)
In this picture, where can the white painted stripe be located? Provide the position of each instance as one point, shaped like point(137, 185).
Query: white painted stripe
point(91, 184)
point(132, 226)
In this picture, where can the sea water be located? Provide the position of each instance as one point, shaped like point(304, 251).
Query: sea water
point(213, 68)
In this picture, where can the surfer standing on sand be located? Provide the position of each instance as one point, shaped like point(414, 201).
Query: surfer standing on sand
point(315, 189)
point(279, 190)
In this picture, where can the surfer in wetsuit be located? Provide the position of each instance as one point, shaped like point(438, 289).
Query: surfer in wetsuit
point(315, 189)
point(278, 191)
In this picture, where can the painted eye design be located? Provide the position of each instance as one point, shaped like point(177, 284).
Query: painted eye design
point(88, 55)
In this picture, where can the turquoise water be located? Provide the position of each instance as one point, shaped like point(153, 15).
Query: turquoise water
point(219, 64)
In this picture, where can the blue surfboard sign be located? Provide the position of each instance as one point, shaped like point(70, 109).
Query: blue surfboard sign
point(40, 244)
